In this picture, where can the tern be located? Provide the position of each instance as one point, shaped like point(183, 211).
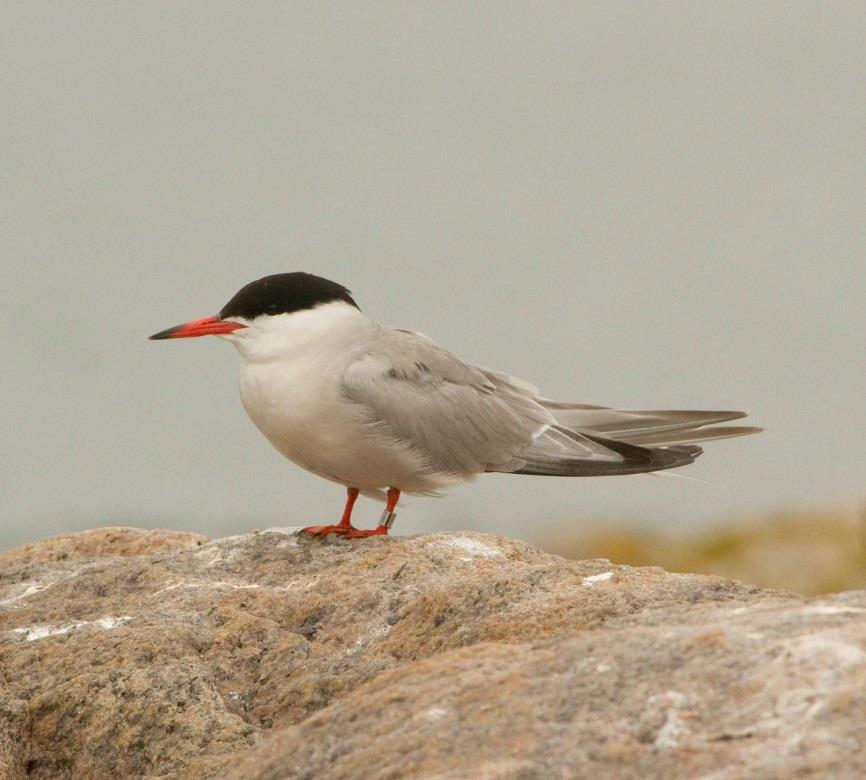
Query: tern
point(385, 411)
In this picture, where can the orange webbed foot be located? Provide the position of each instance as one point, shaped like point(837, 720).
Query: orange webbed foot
point(325, 530)
point(360, 533)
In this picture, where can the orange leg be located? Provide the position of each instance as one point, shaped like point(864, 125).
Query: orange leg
point(386, 521)
point(345, 524)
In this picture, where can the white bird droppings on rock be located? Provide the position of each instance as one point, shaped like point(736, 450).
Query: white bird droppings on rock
point(433, 714)
point(473, 547)
point(831, 609)
point(212, 585)
point(591, 580)
point(21, 592)
point(33, 633)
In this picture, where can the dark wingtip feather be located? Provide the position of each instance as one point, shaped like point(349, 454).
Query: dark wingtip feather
point(636, 460)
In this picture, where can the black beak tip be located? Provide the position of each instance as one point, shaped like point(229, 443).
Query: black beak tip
point(163, 334)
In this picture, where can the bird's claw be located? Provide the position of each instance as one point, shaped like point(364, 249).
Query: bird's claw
point(360, 533)
point(325, 530)
point(346, 531)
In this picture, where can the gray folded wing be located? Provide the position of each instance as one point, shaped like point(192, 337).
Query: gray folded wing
point(460, 418)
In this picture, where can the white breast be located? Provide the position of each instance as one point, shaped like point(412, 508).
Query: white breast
point(291, 371)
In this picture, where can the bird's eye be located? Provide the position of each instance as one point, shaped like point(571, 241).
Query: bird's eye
point(272, 308)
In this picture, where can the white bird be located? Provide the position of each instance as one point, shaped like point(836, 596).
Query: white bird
point(385, 411)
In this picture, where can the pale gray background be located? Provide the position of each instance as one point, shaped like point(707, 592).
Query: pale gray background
point(637, 204)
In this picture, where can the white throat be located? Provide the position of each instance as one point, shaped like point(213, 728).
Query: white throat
point(336, 326)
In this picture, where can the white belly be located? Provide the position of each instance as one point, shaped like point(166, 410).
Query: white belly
point(297, 405)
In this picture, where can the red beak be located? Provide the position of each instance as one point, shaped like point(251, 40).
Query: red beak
point(206, 326)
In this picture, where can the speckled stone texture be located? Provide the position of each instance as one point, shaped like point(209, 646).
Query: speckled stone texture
point(152, 654)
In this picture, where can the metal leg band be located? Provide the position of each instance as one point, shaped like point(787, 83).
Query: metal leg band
point(387, 518)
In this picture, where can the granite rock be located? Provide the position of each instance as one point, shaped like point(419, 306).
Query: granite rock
point(156, 654)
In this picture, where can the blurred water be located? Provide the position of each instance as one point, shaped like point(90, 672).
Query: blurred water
point(629, 204)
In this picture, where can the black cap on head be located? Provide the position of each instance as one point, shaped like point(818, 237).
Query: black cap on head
point(283, 294)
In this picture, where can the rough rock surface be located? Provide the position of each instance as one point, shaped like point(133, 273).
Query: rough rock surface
point(152, 654)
